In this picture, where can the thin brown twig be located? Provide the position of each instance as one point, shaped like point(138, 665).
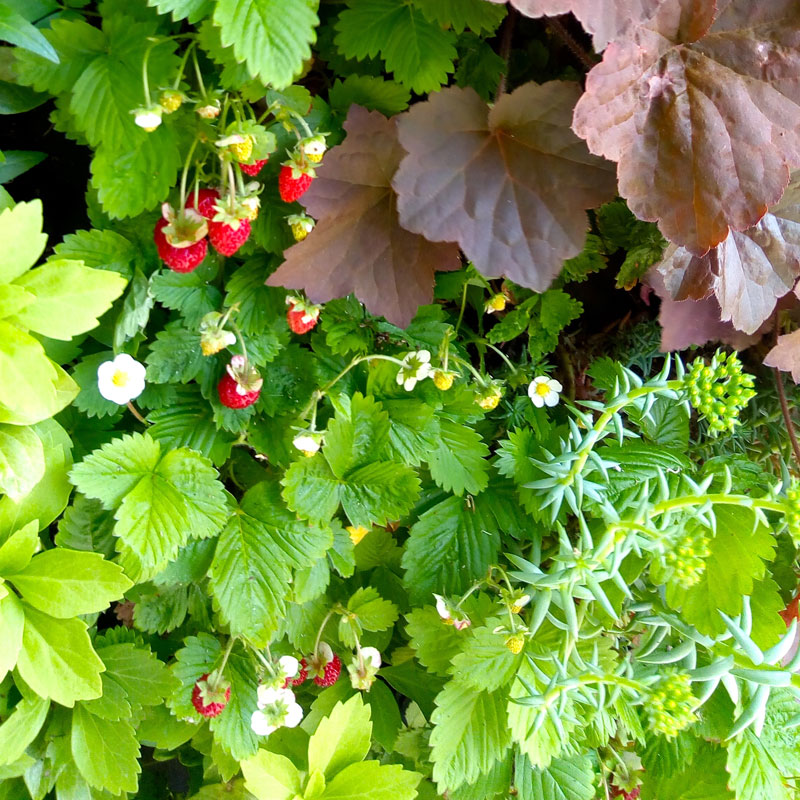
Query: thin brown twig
point(505, 50)
point(787, 417)
point(557, 26)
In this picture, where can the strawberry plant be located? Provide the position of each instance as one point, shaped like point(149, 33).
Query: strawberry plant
point(407, 417)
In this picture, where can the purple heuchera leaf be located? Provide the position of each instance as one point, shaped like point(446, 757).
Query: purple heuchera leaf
point(358, 245)
point(786, 355)
point(509, 183)
point(604, 19)
point(700, 107)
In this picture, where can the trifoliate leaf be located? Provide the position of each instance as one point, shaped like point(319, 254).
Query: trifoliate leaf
point(565, 779)
point(187, 293)
point(470, 733)
point(273, 37)
point(484, 661)
point(252, 566)
point(450, 545)
point(419, 52)
point(434, 642)
point(341, 739)
point(358, 437)
point(375, 94)
point(100, 249)
point(175, 356)
point(458, 464)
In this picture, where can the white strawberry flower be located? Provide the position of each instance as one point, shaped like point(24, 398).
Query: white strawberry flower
point(269, 696)
point(450, 614)
point(416, 367)
point(260, 724)
point(290, 666)
point(544, 391)
point(371, 656)
point(293, 716)
point(307, 443)
point(121, 380)
point(148, 117)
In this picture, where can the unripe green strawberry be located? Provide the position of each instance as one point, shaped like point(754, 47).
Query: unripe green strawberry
point(443, 380)
point(242, 151)
point(170, 100)
point(515, 643)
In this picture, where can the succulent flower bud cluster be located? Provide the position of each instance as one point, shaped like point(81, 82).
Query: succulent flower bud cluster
point(719, 390)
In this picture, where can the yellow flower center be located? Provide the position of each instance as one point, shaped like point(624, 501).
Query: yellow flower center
point(542, 389)
point(120, 378)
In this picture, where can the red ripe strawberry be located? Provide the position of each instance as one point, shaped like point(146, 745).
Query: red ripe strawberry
point(206, 199)
point(230, 397)
point(253, 169)
point(210, 701)
point(291, 187)
point(179, 259)
point(226, 239)
point(330, 673)
point(301, 320)
point(633, 795)
point(300, 678)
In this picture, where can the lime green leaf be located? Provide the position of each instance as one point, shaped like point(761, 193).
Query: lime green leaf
point(470, 733)
point(17, 551)
point(69, 298)
point(21, 460)
point(16, 29)
point(273, 37)
point(419, 52)
point(477, 15)
point(450, 546)
point(50, 495)
point(484, 661)
point(341, 739)
point(106, 753)
point(198, 656)
point(32, 388)
point(13, 299)
point(99, 249)
point(459, 463)
point(357, 437)
point(372, 780)
point(57, 659)
point(232, 731)
point(374, 93)
point(252, 565)
point(12, 623)
point(766, 605)
point(190, 10)
point(738, 551)
point(67, 583)
point(22, 727)
point(22, 237)
point(564, 779)
point(269, 776)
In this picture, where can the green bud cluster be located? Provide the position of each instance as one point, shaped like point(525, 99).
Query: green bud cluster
point(669, 708)
point(719, 390)
point(685, 563)
point(793, 514)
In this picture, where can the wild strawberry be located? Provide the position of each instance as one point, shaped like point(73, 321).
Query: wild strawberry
point(210, 697)
point(301, 225)
point(515, 643)
point(443, 380)
point(301, 316)
point(293, 183)
point(227, 239)
point(179, 259)
point(632, 795)
point(253, 169)
point(314, 148)
point(240, 385)
point(330, 673)
point(206, 202)
point(242, 151)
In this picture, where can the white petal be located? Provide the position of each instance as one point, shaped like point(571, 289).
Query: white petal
point(423, 355)
point(116, 394)
point(260, 724)
point(555, 385)
point(441, 607)
point(410, 383)
point(424, 371)
point(400, 378)
point(371, 655)
point(267, 695)
point(135, 386)
point(537, 400)
point(294, 716)
point(551, 399)
point(290, 665)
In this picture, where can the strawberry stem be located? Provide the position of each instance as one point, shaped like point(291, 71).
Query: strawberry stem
point(135, 412)
point(186, 173)
point(217, 677)
point(319, 632)
point(182, 66)
point(199, 75)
